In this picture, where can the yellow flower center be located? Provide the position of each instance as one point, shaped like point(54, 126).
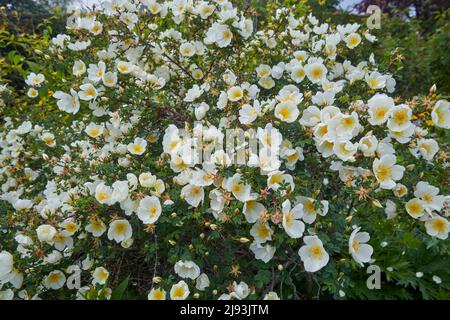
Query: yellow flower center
point(355, 245)
point(289, 219)
point(439, 225)
point(309, 207)
point(48, 140)
point(300, 73)
point(71, 227)
point(94, 132)
point(348, 122)
point(251, 204)
point(173, 145)
point(401, 191)
point(120, 228)
point(400, 117)
point(154, 8)
point(381, 113)
point(102, 196)
point(263, 231)
point(316, 73)
point(426, 147)
point(54, 277)
point(158, 295)
point(195, 191)
point(284, 113)
point(316, 251)
point(137, 148)
point(368, 143)
point(236, 94)
point(178, 292)
point(440, 116)
point(96, 225)
point(354, 41)
point(323, 130)
point(292, 157)
point(343, 149)
point(384, 172)
point(275, 179)
point(90, 92)
point(373, 82)
point(415, 208)
point(153, 211)
point(263, 73)
point(102, 275)
point(227, 35)
point(237, 188)
point(427, 197)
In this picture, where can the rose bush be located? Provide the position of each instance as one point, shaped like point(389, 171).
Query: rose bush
point(114, 179)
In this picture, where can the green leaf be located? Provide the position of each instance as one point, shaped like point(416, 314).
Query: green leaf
point(262, 277)
point(118, 292)
point(34, 66)
point(17, 59)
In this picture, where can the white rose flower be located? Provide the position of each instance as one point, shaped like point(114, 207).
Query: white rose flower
point(291, 222)
point(120, 230)
point(45, 233)
point(360, 251)
point(187, 269)
point(313, 254)
point(179, 291)
point(149, 210)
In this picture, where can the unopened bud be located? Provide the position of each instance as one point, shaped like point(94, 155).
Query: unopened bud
point(157, 279)
point(377, 203)
point(244, 240)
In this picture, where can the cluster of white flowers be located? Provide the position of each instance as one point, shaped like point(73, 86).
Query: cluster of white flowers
point(97, 180)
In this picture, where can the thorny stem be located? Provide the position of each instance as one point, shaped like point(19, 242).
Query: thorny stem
point(309, 286)
point(155, 266)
